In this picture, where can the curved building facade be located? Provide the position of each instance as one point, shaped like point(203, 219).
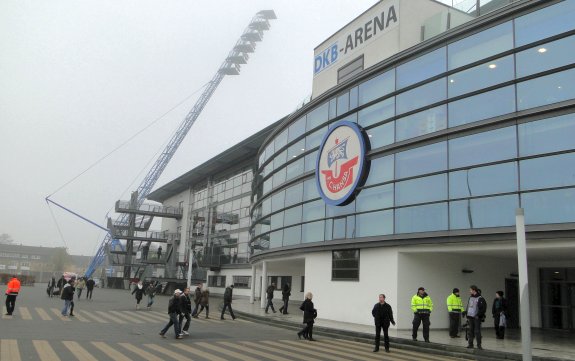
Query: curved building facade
point(460, 131)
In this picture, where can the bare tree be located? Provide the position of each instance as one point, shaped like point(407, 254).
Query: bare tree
point(5, 238)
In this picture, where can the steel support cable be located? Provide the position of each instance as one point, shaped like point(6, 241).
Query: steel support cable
point(57, 225)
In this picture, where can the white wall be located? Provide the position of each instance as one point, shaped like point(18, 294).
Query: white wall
point(230, 273)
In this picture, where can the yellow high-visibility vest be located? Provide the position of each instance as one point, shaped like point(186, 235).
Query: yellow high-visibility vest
point(419, 304)
point(454, 303)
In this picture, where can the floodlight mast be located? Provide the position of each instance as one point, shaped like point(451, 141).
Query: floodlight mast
point(231, 66)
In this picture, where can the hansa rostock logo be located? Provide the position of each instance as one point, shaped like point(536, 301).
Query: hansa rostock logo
point(341, 163)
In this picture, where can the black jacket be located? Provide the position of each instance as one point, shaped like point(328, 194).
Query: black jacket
point(139, 292)
point(496, 309)
point(309, 312)
point(90, 284)
point(270, 291)
point(228, 295)
point(286, 292)
point(197, 295)
point(382, 314)
point(67, 292)
point(174, 305)
point(185, 303)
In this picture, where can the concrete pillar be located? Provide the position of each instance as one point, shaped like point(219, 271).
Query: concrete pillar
point(253, 290)
point(264, 284)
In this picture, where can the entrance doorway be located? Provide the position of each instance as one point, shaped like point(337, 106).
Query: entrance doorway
point(512, 294)
point(558, 298)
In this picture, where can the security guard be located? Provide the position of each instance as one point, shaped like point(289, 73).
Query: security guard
point(421, 305)
point(455, 308)
point(11, 293)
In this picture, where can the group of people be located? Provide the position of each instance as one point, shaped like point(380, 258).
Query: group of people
point(286, 293)
point(150, 289)
point(56, 288)
point(180, 308)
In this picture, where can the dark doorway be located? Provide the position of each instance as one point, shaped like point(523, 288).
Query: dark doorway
point(558, 298)
point(512, 294)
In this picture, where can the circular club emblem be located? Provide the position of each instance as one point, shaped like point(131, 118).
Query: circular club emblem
point(340, 163)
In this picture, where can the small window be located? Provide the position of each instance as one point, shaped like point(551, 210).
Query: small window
point(217, 281)
point(302, 284)
point(242, 281)
point(345, 265)
point(279, 281)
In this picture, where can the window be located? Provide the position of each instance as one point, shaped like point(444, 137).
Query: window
point(277, 220)
point(377, 112)
point(547, 56)
point(381, 135)
point(296, 129)
point(427, 159)
point(374, 198)
point(278, 201)
point(546, 90)
point(421, 190)
point(377, 87)
point(345, 265)
point(421, 96)
point(381, 170)
point(468, 110)
point(547, 135)
point(548, 172)
point(302, 284)
point(242, 281)
point(343, 103)
point(217, 281)
point(276, 239)
point(314, 140)
point(430, 217)
point(295, 169)
point(313, 210)
point(296, 149)
point(544, 23)
point(317, 117)
point(483, 212)
point(310, 190)
point(481, 76)
point(422, 68)
point(427, 121)
point(313, 232)
point(484, 147)
point(556, 206)
point(481, 45)
point(279, 178)
point(292, 215)
point(310, 161)
point(374, 223)
point(279, 281)
point(474, 182)
point(294, 194)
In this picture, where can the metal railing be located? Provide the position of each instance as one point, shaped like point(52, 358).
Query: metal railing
point(151, 208)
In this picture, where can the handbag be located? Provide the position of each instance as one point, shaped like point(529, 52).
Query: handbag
point(502, 320)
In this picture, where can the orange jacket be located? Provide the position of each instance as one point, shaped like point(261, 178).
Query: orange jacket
point(13, 287)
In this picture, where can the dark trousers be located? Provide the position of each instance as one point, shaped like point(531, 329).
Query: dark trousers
point(10, 303)
point(207, 307)
point(195, 311)
point(454, 323)
point(80, 292)
point(72, 307)
point(419, 318)
point(283, 309)
point(307, 331)
point(385, 328)
point(228, 305)
point(270, 304)
point(173, 321)
point(89, 293)
point(474, 330)
point(499, 331)
point(188, 319)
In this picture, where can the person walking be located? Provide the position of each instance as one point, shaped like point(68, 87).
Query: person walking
point(186, 310)
point(159, 252)
point(80, 286)
point(12, 291)
point(309, 315)
point(197, 298)
point(204, 303)
point(139, 291)
point(72, 283)
point(145, 250)
point(228, 302)
point(89, 288)
point(151, 293)
point(174, 310)
point(286, 292)
point(382, 316)
point(476, 308)
point(67, 294)
point(51, 286)
point(421, 305)
point(454, 308)
point(499, 311)
point(270, 295)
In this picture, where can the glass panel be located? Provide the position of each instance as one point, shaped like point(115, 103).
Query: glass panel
point(343, 103)
point(292, 236)
point(276, 239)
point(332, 108)
point(381, 135)
point(269, 150)
point(483, 212)
point(480, 46)
point(294, 169)
point(548, 172)
point(353, 98)
point(266, 188)
point(281, 140)
point(428, 159)
point(296, 149)
point(277, 220)
point(547, 135)
point(294, 194)
point(544, 23)
point(311, 161)
point(430, 217)
point(266, 206)
point(374, 198)
point(313, 232)
point(296, 129)
point(377, 112)
point(474, 182)
point(335, 211)
point(547, 56)
point(481, 76)
point(317, 116)
point(374, 223)
point(314, 140)
point(377, 87)
point(339, 228)
point(468, 110)
point(425, 122)
point(278, 201)
point(292, 216)
point(422, 68)
point(421, 190)
point(484, 147)
point(556, 206)
point(268, 169)
point(313, 210)
point(552, 274)
point(279, 177)
point(546, 90)
point(280, 159)
point(380, 170)
point(421, 96)
point(350, 118)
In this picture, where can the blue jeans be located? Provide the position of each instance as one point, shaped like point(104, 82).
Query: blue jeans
point(150, 300)
point(173, 321)
point(67, 304)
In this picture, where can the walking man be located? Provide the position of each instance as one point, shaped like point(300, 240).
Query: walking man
point(286, 292)
point(159, 252)
point(11, 293)
point(382, 316)
point(228, 302)
point(476, 307)
point(204, 303)
point(197, 298)
point(421, 305)
point(151, 292)
point(90, 287)
point(80, 286)
point(186, 308)
point(270, 295)
point(455, 308)
point(174, 311)
point(67, 294)
point(51, 286)
point(499, 312)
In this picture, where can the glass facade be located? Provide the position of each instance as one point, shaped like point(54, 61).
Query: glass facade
point(460, 136)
